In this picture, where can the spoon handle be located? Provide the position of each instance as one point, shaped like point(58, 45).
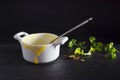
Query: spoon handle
point(70, 30)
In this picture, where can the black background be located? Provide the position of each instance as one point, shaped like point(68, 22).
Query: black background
point(58, 16)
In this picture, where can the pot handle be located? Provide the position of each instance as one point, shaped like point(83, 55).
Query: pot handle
point(20, 35)
point(60, 41)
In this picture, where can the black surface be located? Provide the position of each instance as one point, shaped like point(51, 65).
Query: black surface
point(57, 16)
point(14, 67)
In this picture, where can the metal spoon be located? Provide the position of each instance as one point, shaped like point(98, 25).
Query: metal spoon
point(70, 30)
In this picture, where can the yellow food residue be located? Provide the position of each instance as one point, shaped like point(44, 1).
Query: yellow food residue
point(40, 50)
point(37, 50)
point(35, 60)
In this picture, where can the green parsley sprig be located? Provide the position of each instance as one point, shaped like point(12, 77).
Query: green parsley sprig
point(80, 48)
point(111, 51)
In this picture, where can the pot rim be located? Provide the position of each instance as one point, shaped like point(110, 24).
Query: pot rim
point(23, 42)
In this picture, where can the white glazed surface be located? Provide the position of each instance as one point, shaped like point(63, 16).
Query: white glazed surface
point(50, 54)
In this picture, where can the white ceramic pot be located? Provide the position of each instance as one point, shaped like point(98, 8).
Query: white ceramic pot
point(36, 48)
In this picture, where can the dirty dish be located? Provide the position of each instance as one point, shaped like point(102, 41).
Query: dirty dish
point(36, 48)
